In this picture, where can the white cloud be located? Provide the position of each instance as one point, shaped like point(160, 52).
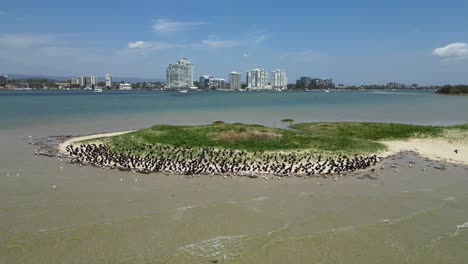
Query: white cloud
point(456, 50)
point(153, 45)
point(211, 43)
point(166, 25)
point(139, 45)
point(245, 55)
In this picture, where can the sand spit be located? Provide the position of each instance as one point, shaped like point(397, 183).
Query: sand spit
point(62, 146)
point(433, 148)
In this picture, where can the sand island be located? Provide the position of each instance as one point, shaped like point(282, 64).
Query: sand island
point(306, 149)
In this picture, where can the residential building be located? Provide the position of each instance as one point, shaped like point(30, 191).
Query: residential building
point(108, 80)
point(180, 75)
point(279, 80)
point(235, 81)
point(125, 86)
point(393, 85)
point(257, 79)
point(217, 83)
point(328, 83)
point(209, 82)
point(3, 80)
point(204, 82)
point(317, 83)
point(304, 83)
point(85, 81)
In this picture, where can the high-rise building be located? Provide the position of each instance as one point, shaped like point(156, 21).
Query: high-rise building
point(217, 83)
point(86, 81)
point(3, 80)
point(93, 80)
point(304, 82)
point(235, 81)
point(257, 79)
point(108, 80)
point(209, 82)
point(279, 80)
point(328, 83)
point(204, 82)
point(317, 83)
point(180, 75)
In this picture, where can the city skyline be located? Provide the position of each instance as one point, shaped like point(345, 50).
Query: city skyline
point(354, 43)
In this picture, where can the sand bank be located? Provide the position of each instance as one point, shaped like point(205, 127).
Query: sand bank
point(62, 146)
point(433, 148)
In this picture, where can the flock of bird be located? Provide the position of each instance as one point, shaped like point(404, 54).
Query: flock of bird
point(147, 158)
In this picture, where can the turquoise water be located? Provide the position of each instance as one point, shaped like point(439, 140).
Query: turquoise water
point(19, 109)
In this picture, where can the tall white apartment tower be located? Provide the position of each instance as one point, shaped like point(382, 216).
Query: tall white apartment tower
point(108, 80)
point(180, 75)
point(257, 79)
point(235, 80)
point(93, 80)
point(279, 80)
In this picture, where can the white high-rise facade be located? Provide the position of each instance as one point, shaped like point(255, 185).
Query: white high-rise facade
point(257, 79)
point(235, 81)
point(108, 80)
point(279, 80)
point(86, 81)
point(180, 75)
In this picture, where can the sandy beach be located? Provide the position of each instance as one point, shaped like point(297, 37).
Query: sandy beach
point(437, 149)
point(62, 146)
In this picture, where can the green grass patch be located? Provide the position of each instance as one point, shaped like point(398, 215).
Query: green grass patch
point(370, 131)
point(326, 138)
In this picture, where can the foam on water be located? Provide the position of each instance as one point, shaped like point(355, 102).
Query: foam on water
point(220, 246)
point(263, 198)
point(180, 213)
point(463, 226)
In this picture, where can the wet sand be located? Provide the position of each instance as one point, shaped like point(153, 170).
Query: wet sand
point(405, 216)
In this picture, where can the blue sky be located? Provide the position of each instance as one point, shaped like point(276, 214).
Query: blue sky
point(353, 42)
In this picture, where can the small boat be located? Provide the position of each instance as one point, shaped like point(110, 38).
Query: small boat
point(183, 91)
point(327, 91)
point(98, 90)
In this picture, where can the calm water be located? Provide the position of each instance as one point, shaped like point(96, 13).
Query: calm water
point(92, 217)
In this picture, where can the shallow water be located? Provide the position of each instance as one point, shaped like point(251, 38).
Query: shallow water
point(410, 216)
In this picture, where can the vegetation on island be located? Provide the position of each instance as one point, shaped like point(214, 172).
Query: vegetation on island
point(288, 120)
point(453, 89)
point(325, 138)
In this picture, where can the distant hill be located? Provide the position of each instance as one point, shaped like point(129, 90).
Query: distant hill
point(65, 78)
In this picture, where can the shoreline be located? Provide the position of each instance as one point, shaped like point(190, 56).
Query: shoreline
point(439, 149)
point(63, 145)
